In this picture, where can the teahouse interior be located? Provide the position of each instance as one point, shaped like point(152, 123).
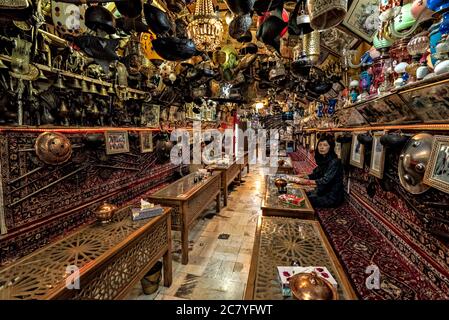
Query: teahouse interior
point(224, 149)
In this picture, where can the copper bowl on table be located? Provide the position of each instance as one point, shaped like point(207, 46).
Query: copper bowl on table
point(281, 184)
point(105, 212)
point(281, 163)
point(310, 286)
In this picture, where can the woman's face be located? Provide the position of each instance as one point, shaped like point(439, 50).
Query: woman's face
point(323, 147)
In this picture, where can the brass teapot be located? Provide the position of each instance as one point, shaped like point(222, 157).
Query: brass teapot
point(105, 212)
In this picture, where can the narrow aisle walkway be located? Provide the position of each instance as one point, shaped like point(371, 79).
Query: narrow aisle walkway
point(220, 248)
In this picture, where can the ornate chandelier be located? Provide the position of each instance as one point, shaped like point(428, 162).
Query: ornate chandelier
point(206, 29)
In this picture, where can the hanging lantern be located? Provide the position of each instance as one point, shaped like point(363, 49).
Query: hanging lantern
point(325, 14)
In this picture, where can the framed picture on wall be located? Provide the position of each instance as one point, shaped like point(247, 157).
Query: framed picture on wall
point(437, 171)
point(150, 115)
point(377, 156)
point(116, 142)
point(357, 152)
point(337, 145)
point(363, 18)
point(146, 141)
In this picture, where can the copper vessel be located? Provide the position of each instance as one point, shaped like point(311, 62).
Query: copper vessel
point(53, 148)
point(281, 162)
point(105, 212)
point(281, 184)
point(310, 286)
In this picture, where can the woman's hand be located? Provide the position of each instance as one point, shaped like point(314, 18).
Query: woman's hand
point(303, 181)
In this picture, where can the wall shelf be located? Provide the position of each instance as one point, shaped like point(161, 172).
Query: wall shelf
point(74, 75)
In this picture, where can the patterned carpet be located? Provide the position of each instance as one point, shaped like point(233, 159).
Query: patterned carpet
point(301, 162)
point(358, 244)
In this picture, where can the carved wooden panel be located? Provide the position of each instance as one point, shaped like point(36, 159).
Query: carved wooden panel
point(43, 273)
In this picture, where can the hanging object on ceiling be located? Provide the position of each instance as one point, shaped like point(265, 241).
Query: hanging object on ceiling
point(299, 21)
point(130, 8)
point(240, 25)
point(325, 14)
point(129, 25)
point(174, 49)
point(240, 7)
point(270, 30)
point(68, 18)
point(249, 48)
point(413, 161)
point(311, 45)
point(146, 39)
point(206, 28)
point(262, 6)
point(157, 20)
point(98, 18)
point(175, 6)
point(98, 48)
point(245, 38)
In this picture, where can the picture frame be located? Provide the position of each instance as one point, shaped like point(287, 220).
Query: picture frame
point(362, 19)
point(146, 141)
point(377, 156)
point(337, 148)
point(116, 142)
point(150, 115)
point(357, 152)
point(437, 170)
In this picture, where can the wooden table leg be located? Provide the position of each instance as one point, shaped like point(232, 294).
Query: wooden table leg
point(218, 199)
point(185, 244)
point(184, 234)
point(167, 258)
point(225, 195)
point(247, 168)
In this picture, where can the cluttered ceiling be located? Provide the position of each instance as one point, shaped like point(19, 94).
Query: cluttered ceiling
point(282, 53)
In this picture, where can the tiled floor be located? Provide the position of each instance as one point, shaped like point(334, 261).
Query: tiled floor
point(218, 268)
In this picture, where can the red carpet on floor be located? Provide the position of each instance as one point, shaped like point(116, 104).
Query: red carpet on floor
point(359, 245)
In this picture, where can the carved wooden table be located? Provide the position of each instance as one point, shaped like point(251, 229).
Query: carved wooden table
point(272, 206)
point(110, 258)
point(228, 174)
point(287, 167)
point(188, 200)
point(282, 241)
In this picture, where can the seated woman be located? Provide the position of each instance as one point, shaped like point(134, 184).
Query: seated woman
point(327, 177)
